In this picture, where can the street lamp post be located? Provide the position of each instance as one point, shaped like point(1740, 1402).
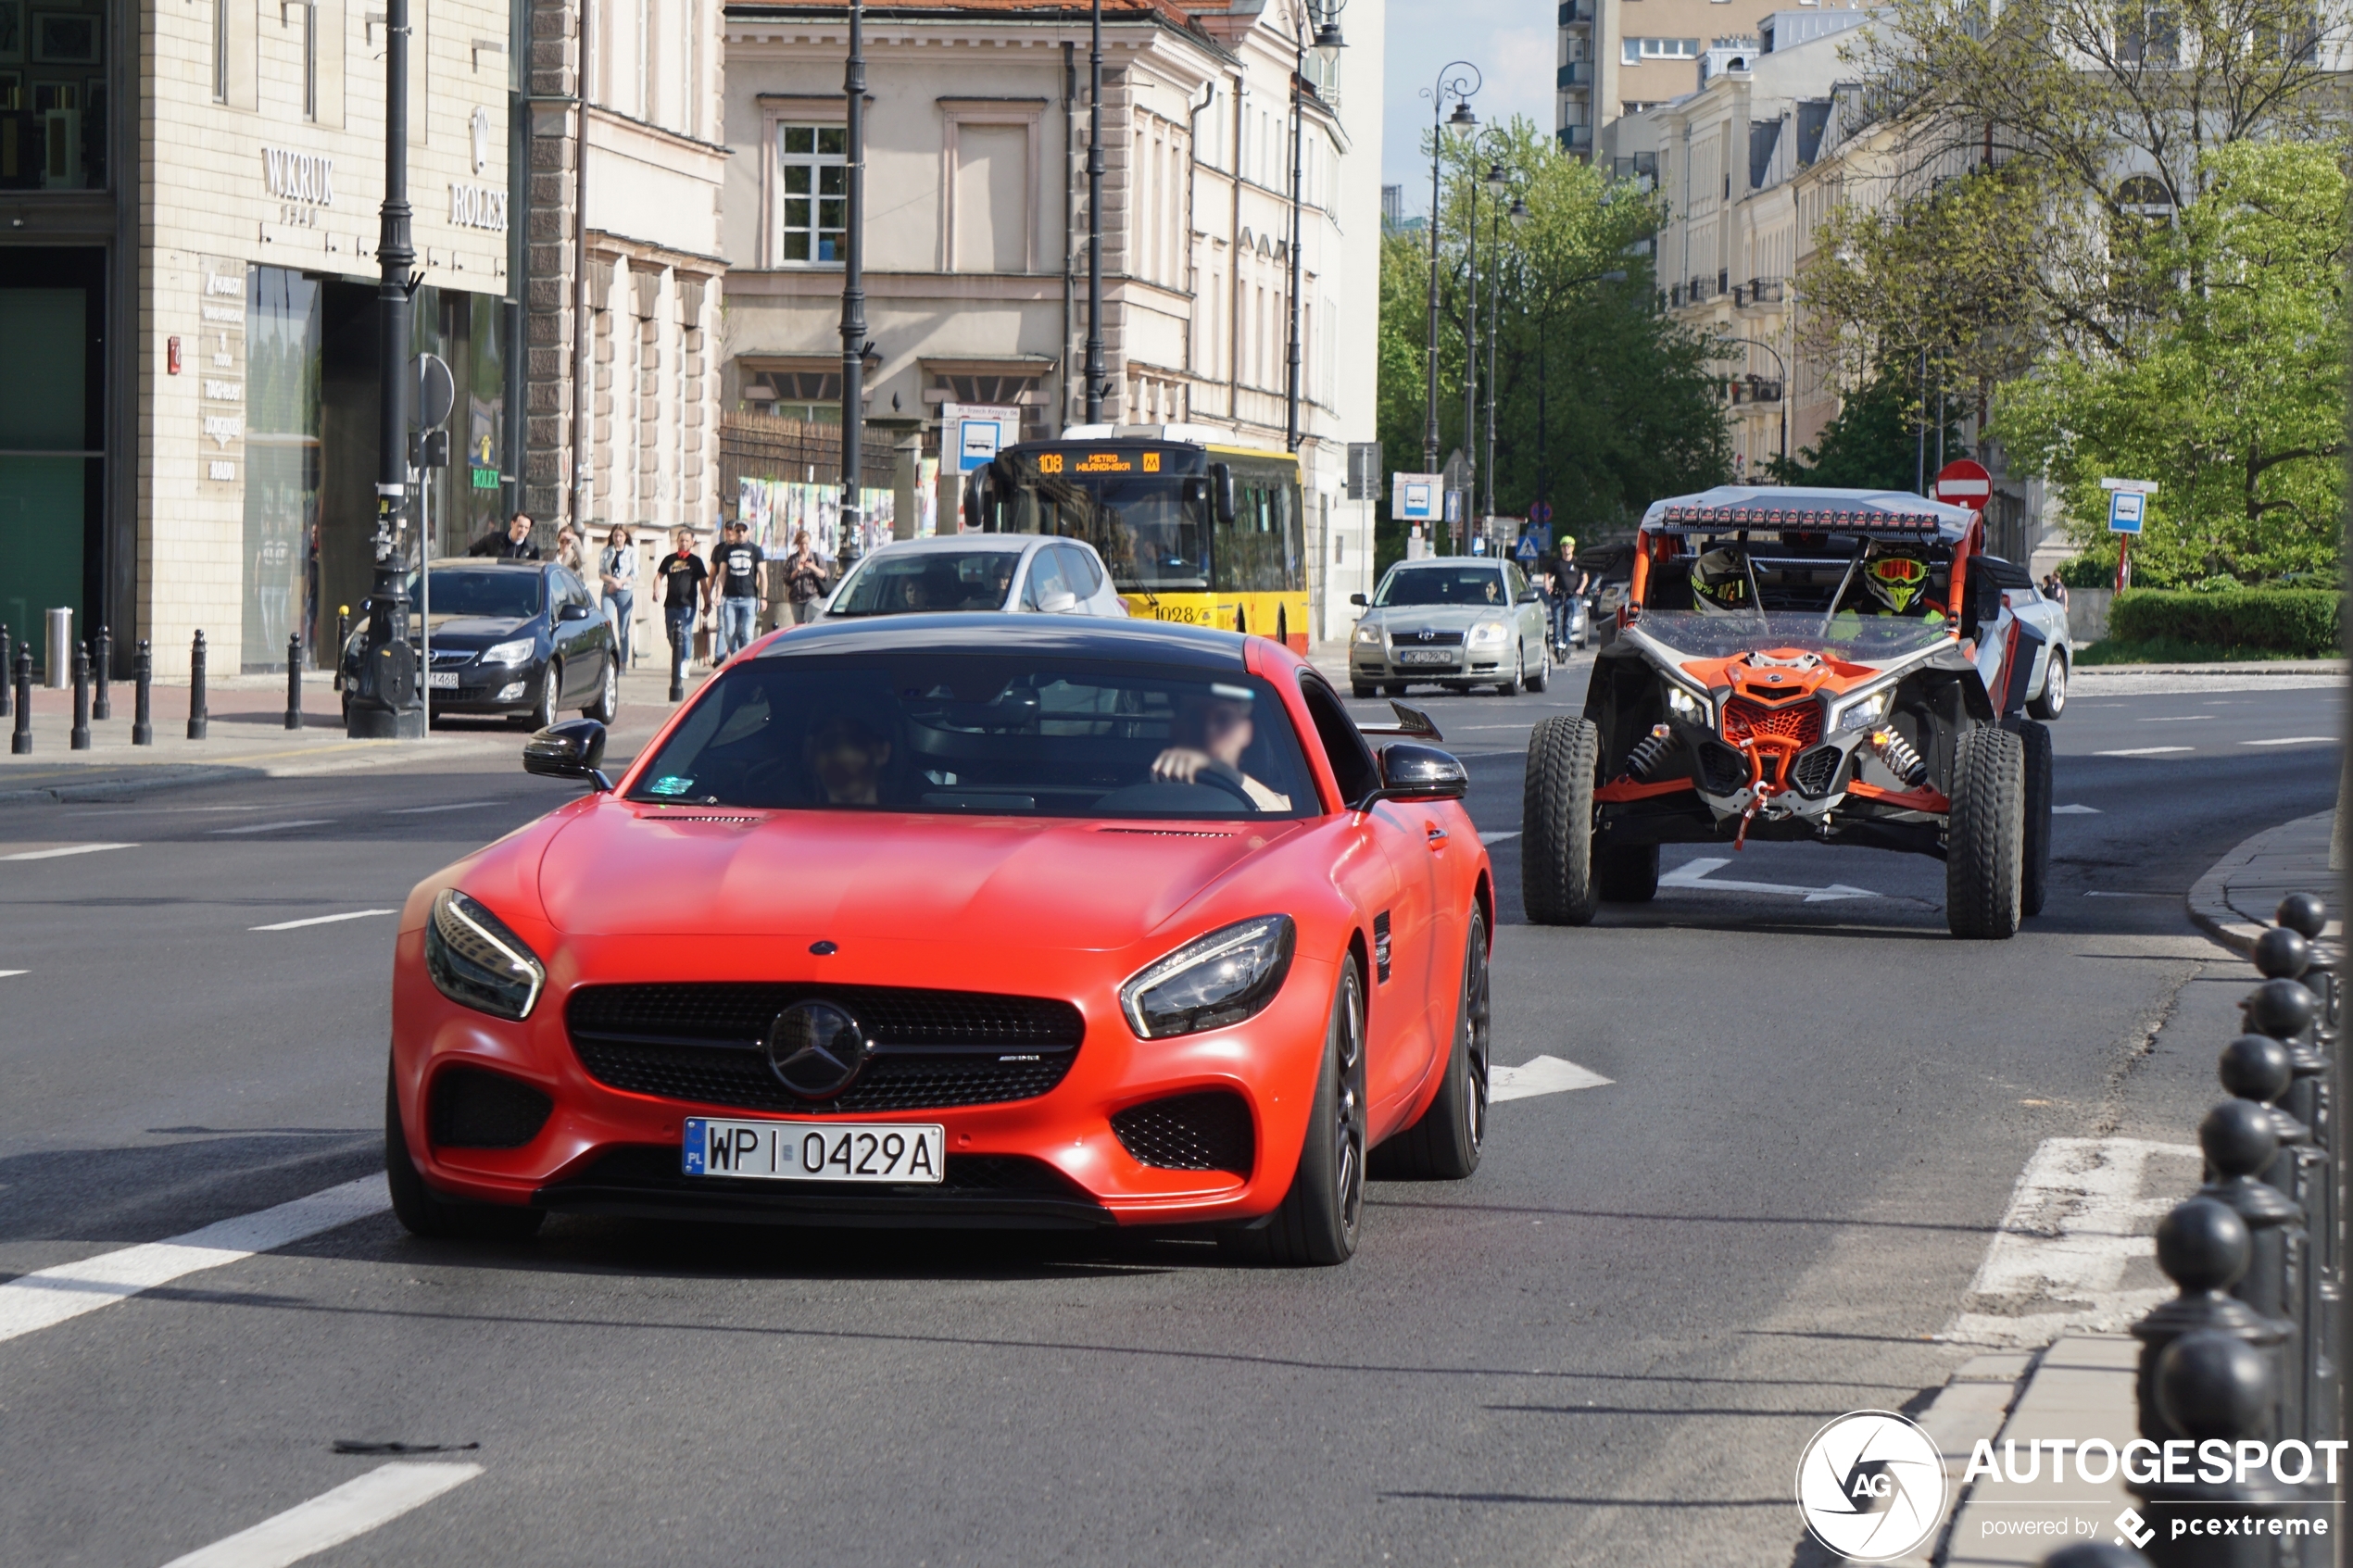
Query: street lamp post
point(853, 290)
point(1496, 186)
point(1459, 89)
point(1783, 366)
point(1328, 45)
point(385, 703)
point(1094, 371)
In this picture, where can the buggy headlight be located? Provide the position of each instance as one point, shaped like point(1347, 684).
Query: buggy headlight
point(1211, 981)
point(1863, 712)
point(477, 962)
point(1489, 632)
point(1684, 706)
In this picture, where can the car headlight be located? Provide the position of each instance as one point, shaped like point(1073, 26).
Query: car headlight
point(477, 962)
point(517, 652)
point(1863, 712)
point(1211, 981)
point(1368, 633)
point(1487, 634)
point(1685, 706)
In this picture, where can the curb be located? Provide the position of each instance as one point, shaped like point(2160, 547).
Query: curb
point(2208, 897)
point(130, 780)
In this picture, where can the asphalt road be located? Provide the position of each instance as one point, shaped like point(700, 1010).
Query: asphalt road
point(1609, 1346)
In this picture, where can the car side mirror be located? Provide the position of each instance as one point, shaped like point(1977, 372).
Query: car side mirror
point(1526, 595)
point(1221, 490)
point(570, 750)
point(1062, 601)
point(568, 611)
point(1359, 599)
point(1417, 772)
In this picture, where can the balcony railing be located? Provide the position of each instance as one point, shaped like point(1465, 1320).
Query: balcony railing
point(1577, 73)
point(1575, 11)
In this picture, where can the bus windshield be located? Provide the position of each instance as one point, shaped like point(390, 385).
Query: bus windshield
point(1151, 528)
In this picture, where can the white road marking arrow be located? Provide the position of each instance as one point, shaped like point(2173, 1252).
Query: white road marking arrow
point(2075, 810)
point(1497, 837)
point(1694, 873)
point(1544, 1075)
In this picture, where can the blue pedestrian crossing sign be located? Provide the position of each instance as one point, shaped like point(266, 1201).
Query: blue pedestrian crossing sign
point(2125, 510)
point(1527, 551)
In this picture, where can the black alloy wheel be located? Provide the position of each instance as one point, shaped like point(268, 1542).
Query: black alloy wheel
point(1318, 1223)
point(551, 695)
point(1443, 1144)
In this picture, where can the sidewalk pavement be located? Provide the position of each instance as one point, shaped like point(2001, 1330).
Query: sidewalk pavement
point(2236, 900)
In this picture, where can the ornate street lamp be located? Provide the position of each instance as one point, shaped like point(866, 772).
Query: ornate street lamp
point(1328, 45)
point(1459, 89)
point(853, 292)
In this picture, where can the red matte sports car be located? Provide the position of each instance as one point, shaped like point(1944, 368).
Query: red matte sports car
point(960, 920)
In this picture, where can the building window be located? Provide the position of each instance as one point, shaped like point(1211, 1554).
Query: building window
point(1634, 50)
point(219, 51)
point(812, 203)
point(812, 396)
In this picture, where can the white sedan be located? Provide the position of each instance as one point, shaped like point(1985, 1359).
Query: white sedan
point(1033, 573)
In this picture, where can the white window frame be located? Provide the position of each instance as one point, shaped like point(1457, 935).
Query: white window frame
point(777, 111)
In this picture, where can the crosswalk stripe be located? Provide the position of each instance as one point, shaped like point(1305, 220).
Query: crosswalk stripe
point(334, 1517)
point(69, 850)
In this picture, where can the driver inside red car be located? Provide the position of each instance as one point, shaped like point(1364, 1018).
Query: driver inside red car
point(1212, 732)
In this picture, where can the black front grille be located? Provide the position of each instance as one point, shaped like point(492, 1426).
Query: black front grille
point(660, 1167)
point(1722, 770)
point(1426, 639)
point(472, 1109)
point(932, 1049)
point(1203, 1132)
point(1817, 770)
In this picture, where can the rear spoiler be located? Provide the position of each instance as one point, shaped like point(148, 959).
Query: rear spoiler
point(1412, 724)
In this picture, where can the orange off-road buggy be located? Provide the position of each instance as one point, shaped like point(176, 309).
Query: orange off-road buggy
point(1832, 665)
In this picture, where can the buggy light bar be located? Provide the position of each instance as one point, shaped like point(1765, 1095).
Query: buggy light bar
point(1803, 520)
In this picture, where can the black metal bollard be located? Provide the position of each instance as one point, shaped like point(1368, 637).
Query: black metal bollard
point(2213, 1387)
point(198, 720)
point(143, 671)
point(78, 739)
point(2240, 1141)
point(21, 741)
point(101, 676)
point(294, 681)
point(2203, 1248)
point(7, 665)
point(343, 639)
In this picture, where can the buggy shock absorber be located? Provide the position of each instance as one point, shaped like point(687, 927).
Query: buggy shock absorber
point(1649, 752)
point(1901, 760)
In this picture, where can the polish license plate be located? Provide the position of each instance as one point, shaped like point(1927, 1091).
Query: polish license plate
point(443, 680)
point(1427, 656)
point(812, 1151)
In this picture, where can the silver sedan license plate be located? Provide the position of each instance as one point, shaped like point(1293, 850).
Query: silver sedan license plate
point(812, 1151)
point(1425, 656)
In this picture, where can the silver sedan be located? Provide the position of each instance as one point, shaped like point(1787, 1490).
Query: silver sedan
point(1454, 621)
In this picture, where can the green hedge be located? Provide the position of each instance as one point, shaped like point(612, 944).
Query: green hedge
point(2306, 622)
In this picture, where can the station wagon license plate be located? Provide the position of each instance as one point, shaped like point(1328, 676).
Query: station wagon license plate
point(811, 1151)
point(443, 680)
point(1427, 656)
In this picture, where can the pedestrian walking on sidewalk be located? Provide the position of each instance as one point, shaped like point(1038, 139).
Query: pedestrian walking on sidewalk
point(617, 574)
point(513, 545)
point(683, 576)
point(735, 583)
point(568, 553)
point(804, 580)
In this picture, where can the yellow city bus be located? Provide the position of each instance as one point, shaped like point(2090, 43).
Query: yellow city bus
point(1193, 529)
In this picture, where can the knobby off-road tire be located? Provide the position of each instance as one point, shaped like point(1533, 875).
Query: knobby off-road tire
point(1985, 842)
point(1626, 874)
point(420, 1213)
point(1320, 1216)
point(2034, 877)
point(1556, 884)
point(1443, 1144)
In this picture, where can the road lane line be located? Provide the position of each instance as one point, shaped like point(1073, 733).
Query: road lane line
point(6, 972)
point(2175, 718)
point(1544, 1075)
point(34, 1301)
point(2092, 893)
point(1498, 837)
point(69, 850)
point(2145, 751)
point(2076, 1220)
point(332, 1518)
point(321, 920)
point(2075, 810)
point(2294, 740)
point(1694, 873)
point(273, 827)
point(453, 806)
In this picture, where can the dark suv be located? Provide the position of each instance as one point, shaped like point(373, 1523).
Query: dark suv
point(520, 639)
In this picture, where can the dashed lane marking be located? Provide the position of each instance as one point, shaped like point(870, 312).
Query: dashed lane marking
point(2076, 1219)
point(2093, 893)
point(35, 1301)
point(453, 806)
point(1544, 1075)
point(1694, 873)
point(320, 920)
point(4, 973)
point(2075, 810)
point(2175, 718)
point(2294, 740)
point(2145, 751)
point(1498, 837)
point(275, 827)
point(68, 849)
point(332, 1518)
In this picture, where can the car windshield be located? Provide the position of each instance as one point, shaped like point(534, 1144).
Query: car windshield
point(1465, 585)
point(921, 581)
point(1152, 529)
point(1861, 639)
point(969, 733)
point(494, 592)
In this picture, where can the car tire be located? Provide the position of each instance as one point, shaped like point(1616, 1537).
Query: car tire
point(422, 1213)
point(2051, 701)
point(607, 704)
point(1318, 1223)
point(2034, 876)
point(1556, 820)
point(1393, 688)
point(551, 693)
point(1984, 853)
point(1360, 691)
point(1543, 676)
point(1626, 874)
point(1443, 1144)
point(1518, 682)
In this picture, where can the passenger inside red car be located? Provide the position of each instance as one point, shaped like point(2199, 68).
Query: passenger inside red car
point(1213, 732)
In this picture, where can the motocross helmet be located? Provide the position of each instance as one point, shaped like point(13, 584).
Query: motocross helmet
point(1719, 584)
point(1896, 580)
